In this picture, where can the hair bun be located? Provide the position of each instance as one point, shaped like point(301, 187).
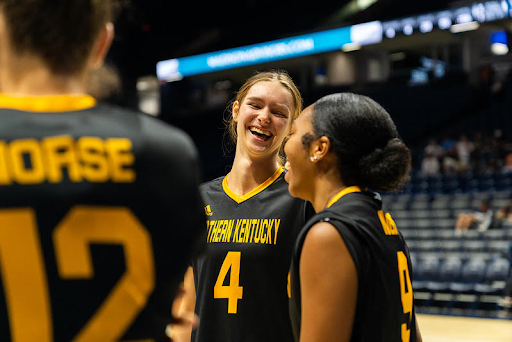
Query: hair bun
point(387, 168)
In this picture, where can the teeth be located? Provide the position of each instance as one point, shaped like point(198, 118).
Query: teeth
point(287, 165)
point(257, 130)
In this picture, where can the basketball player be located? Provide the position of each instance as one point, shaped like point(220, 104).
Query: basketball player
point(351, 271)
point(241, 280)
point(99, 207)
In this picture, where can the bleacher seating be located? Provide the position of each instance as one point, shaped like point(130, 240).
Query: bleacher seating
point(455, 273)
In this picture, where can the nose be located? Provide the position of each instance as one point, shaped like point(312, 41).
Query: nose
point(264, 116)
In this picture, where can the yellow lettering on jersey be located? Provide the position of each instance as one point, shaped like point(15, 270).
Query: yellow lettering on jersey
point(256, 230)
point(215, 231)
point(229, 230)
point(120, 158)
point(29, 161)
point(60, 153)
point(224, 230)
point(209, 231)
point(91, 152)
point(388, 224)
point(264, 224)
point(4, 173)
point(237, 228)
point(259, 231)
point(276, 228)
point(248, 230)
point(32, 150)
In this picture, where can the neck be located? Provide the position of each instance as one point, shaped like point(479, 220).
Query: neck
point(326, 186)
point(29, 76)
point(247, 173)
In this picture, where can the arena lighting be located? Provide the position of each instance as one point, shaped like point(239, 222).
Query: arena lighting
point(351, 47)
point(460, 19)
point(499, 43)
point(307, 44)
point(458, 28)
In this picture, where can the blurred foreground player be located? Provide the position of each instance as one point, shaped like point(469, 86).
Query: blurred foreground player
point(99, 207)
point(351, 271)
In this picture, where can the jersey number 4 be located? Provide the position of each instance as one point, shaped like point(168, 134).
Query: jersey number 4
point(24, 275)
point(233, 292)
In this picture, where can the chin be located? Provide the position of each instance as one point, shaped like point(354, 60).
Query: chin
point(291, 190)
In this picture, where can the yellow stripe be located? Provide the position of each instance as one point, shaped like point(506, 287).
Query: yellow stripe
point(257, 190)
point(53, 103)
point(343, 193)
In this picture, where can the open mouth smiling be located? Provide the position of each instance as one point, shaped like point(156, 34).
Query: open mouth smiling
point(260, 133)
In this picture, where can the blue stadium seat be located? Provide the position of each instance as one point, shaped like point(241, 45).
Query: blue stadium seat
point(449, 271)
point(473, 246)
point(496, 274)
point(450, 246)
point(427, 268)
point(473, 272)
point(499, 247)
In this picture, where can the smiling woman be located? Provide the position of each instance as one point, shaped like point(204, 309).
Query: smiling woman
point(350, 267)
point(252, 223)
point(282, 107)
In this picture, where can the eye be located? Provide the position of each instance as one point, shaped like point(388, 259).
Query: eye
point(254, 105)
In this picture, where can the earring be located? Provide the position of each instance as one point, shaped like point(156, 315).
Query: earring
point(314, 159)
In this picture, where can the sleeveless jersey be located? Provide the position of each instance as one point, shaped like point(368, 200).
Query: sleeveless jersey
point(99, 212)
point(241, 280)
point(384, 310)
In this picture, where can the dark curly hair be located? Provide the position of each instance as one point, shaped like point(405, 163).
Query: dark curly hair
point(365, 140)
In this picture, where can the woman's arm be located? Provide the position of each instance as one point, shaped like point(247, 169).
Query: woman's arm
point(328, 280)
point(183, 310)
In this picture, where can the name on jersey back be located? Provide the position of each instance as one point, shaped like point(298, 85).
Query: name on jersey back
point(93, 159)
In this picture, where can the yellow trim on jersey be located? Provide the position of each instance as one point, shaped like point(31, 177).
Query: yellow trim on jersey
point(343, 193)
point(257, 190)
point(47, 103)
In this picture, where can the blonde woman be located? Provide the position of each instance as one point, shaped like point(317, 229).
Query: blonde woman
point(241, 280)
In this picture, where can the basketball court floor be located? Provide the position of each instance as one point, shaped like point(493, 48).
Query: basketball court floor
point(463, 329)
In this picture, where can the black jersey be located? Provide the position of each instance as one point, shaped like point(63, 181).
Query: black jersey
point(384, 309)
point(99, 211)
point(241, 280)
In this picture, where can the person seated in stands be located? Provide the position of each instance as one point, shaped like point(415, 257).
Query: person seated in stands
point(507, 168)
point(434, 148)
point(450, 163)
point(463, 148)
point(430, 166)
point(480, 219)
point(503, 217)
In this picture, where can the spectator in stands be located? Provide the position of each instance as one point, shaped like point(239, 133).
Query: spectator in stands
point(447, 143)
point(507, 168)
point(434, 149)
point(430, 166)
point(463, 149)
point(503, 217)
point(480, 219)
point(450, 163)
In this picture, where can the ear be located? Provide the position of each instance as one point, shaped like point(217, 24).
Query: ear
point(102, 45)
point(235, 110)
point(319, 148)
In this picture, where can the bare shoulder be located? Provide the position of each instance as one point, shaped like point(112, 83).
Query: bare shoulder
point(323, 235)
